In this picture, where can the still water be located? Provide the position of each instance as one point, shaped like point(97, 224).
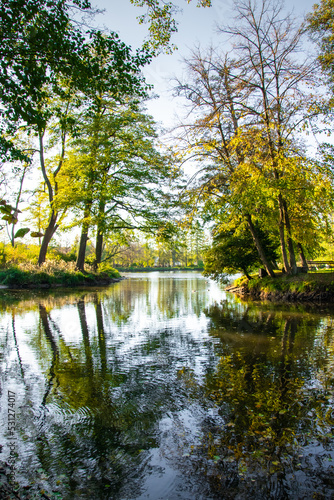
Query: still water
point(165, 387)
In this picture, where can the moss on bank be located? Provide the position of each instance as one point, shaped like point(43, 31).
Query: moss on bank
point(303, 287)
point(55, 274)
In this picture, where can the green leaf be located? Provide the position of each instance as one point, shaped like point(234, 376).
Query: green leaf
point(21, 232)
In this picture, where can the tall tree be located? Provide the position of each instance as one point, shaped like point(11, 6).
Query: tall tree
point(249, 110)
point(116, 173)
point(111, 68)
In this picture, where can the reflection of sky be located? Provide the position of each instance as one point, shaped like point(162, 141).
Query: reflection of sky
point(156, 307)
point(116, 391)
point(165, 310)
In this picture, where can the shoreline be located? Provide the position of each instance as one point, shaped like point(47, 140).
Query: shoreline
point(51, 286)
point(15, 278)
point(309, 287)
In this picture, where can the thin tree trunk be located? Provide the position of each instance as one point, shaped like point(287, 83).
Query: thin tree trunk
point(87, 347)
point(80, 264)
point(98, 248)
point(265, 262)
point(54, 348)
point(293, 264)
point(99, 236)
point(49, 232)
point(282, 235)
point(302, 257)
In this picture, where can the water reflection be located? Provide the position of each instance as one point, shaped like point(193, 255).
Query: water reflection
point(273, 392)
point(161, 386)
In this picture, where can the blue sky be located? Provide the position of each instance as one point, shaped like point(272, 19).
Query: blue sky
point(197, 26)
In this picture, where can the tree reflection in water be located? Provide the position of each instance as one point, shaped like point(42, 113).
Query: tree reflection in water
point(134, 388)
point(273, 433)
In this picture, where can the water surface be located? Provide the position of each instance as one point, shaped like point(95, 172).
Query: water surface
point(163, 386)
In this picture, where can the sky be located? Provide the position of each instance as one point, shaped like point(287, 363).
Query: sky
point(196, 27)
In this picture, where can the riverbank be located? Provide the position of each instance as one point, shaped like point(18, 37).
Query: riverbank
point(306, 287)
point(54, 275)
point(155, 269)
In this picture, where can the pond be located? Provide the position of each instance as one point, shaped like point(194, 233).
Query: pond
point(163, 386)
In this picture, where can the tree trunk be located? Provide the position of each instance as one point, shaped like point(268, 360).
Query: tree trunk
point(282, 235)
point(99, 235)
point(173, 257)
point(293, 264)
point(258, 245)
point(98, 248)
point(49, 232)
point(80, 264)
point(302, 257)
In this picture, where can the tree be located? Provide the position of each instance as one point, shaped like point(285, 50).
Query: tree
point(38, 42)
point(248, 109)
point(162, 23)
point(213, 139)
point(112, 70)
point(235, 251)
point(116, 172)
point(320, 25)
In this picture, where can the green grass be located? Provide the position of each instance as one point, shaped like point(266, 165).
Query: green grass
point(53, 273)
point(302, 283)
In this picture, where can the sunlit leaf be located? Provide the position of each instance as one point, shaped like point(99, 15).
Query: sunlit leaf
point(21, 232)
point(36, 234)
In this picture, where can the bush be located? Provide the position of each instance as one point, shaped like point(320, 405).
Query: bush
point(52, 272)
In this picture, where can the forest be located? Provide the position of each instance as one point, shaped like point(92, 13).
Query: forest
point(81, 156)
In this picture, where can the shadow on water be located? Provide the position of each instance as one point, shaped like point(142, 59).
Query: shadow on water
point(163, 386)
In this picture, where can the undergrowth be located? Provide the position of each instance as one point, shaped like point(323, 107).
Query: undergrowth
point(53, 273)
point(301, 283)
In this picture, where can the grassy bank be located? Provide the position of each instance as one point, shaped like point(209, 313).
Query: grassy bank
point(310, 286)
point(55, 274)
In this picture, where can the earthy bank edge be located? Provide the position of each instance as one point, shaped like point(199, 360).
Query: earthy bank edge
point(310, 287)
